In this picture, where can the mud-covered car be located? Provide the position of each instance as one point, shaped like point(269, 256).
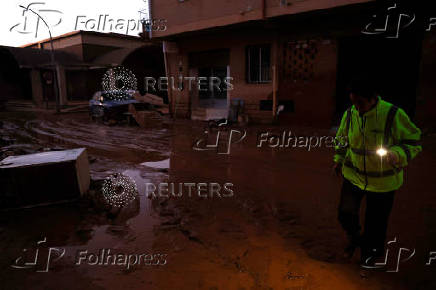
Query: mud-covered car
point(104, 105)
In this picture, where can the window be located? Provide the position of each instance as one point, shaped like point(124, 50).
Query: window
point(299, 60)
point(258, 64)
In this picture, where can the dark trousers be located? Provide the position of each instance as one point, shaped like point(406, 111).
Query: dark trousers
point(378, 208)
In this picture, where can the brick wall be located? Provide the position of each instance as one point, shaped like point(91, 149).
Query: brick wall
point(314, 99)
point(192, 15)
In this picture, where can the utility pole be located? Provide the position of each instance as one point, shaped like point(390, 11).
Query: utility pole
point(52, 59)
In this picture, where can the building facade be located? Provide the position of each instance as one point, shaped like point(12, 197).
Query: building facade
point(81, 59)
point(299, 54)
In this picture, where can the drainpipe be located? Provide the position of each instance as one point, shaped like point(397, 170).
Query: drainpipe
point(167, 72)
point(275, 82)
point(274, 85)
point(263, 9)
point(150, 34)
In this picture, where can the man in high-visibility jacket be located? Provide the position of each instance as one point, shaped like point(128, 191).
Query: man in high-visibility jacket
point(376, 141)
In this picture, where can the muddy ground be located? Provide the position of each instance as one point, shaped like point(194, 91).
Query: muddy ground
point(277, 231)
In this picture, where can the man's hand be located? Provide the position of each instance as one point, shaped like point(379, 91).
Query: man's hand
point(337, 167)
point(393, 158)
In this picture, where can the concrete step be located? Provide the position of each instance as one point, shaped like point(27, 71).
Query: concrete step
point(206, 114)
point(20, 104)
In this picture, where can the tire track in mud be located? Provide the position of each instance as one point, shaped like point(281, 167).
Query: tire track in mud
point(115, 141)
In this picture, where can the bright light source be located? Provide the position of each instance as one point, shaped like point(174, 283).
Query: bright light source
point(382, 152)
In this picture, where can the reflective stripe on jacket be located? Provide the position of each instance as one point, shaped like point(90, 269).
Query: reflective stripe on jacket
point(384, 126)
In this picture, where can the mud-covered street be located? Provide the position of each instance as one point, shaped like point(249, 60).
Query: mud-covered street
point(277, 230)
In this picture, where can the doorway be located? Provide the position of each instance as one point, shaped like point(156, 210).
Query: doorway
point(211, 68)
point(214, 96)
point(392, 64)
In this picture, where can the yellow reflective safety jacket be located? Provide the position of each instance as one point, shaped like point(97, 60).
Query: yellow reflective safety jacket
point(360, 136)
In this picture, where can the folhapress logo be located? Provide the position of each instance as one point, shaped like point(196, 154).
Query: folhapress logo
point(35, 14)
point(393, 21)
point(33, 259)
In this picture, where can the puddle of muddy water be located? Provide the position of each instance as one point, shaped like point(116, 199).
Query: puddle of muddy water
point(278, 217)
point(134, 222)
